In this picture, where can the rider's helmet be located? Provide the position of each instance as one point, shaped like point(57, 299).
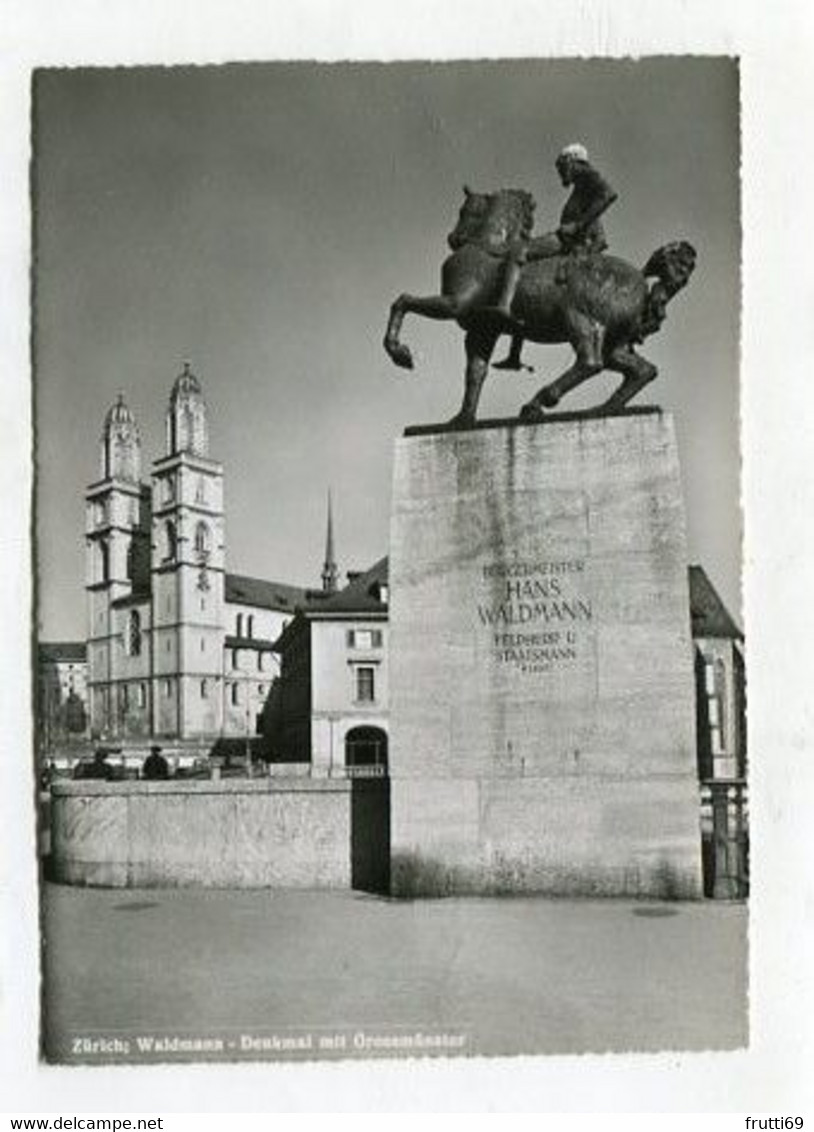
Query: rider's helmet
point(573, 152)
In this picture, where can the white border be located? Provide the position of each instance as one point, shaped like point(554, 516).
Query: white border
point(776, 45)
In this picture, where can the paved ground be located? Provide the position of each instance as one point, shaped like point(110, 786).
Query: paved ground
point(255, 971)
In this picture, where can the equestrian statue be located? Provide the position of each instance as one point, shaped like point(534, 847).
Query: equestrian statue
point(555, 288)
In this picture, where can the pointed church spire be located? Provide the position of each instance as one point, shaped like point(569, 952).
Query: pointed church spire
point(329, 570)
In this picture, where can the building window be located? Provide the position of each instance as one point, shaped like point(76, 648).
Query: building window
point(202, 540)
point(203, 644)
point(168, 687)
point(364, 638)
point(235, 658)
point(204, 690)
point(169, 489)
point(239, 625)
point(261, 691)
point(260, 661)
point(200, 490)
point(365, 685)
point(104, 562)
point(125, 698)
point(235, 695)
point(715, 688)
point(142, 696)
point(250, 626)
point(134, 633)
point(170, 541)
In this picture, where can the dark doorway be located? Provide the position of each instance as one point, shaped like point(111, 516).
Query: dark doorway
point(370, 834)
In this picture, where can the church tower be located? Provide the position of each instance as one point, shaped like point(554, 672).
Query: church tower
point(329, 569)
point(117, 555)
point(188, 563)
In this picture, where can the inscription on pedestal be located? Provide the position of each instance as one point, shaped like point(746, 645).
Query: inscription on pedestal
point(536, 611)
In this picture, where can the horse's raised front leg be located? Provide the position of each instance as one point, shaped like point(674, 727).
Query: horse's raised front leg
point(479, 346)
point(636, 371)
point(587, 337)
point(439, 307)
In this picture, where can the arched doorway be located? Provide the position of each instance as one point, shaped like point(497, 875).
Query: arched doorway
point(366, 749)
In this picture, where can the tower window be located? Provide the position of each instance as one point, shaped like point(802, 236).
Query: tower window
point(104, 562)
point(202, 540)
point(239, 625)
point(134, 633)
point(200, 490)
point(250, 626)
point(169, 489)
point(204, 690)
point(142, 696)
point(170, 541)
point(235, 695)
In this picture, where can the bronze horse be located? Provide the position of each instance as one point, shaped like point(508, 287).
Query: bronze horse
point(602, 305)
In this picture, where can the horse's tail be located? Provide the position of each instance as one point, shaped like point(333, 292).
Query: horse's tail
point(671, 266)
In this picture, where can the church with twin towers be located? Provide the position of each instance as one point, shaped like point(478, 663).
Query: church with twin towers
point(177, 647)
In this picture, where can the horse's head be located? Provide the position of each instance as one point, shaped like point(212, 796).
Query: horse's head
point(471, 219)
point(492, 219)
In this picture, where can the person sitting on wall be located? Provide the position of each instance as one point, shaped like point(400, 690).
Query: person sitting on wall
point(155, 765)
point(99, 768)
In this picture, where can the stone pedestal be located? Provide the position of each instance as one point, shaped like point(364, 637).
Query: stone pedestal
point(541, 687)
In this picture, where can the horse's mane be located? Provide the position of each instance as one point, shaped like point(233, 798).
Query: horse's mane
point(518, 205)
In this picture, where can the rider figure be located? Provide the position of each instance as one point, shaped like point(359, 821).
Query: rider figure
point(580, 232)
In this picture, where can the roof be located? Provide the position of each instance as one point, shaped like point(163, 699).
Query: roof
point(259, 644)
point(359, 596)
point(63, 650)
point(242, 590)
point(118, 414)
point(710, 617)
point(186, 384)
point(140, 597)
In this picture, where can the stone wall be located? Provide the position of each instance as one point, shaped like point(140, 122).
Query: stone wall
point(276, 832)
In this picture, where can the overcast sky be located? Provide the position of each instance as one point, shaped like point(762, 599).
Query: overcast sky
point(259, 219)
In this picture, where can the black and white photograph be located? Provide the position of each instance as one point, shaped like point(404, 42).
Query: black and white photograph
point(390, 669)
point(406, 526)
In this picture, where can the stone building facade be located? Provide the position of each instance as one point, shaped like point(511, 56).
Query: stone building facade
point(720, 697)
point(177, 648)
point(62, 712)
point(330, 706)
